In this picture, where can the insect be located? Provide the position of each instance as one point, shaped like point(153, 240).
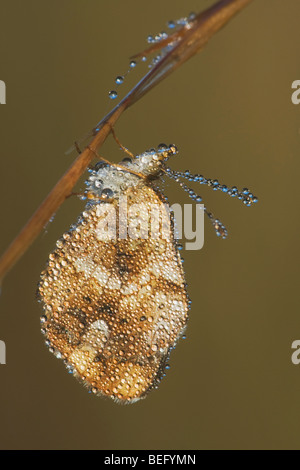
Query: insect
point(114, 297)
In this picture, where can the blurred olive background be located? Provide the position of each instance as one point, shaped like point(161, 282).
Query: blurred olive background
point(232, 383)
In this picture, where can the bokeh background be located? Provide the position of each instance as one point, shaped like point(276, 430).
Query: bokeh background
point(232, 384)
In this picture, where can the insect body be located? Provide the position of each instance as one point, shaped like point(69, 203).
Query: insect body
point(115, 304)
point(113, 292)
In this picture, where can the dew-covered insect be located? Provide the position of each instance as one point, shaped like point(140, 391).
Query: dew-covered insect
point(114, 293)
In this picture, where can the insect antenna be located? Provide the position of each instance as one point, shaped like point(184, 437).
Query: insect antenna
point(244, 195)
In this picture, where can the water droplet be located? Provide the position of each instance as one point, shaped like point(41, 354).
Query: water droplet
point(171, 24)
point(156, 59)
point(127, 160)
point(192, 16)
point(182, 21)
point(119, 80)
point(162, 147)
point(132, 64)
point(107, 193)
point(113, 94)
point(98, 183)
